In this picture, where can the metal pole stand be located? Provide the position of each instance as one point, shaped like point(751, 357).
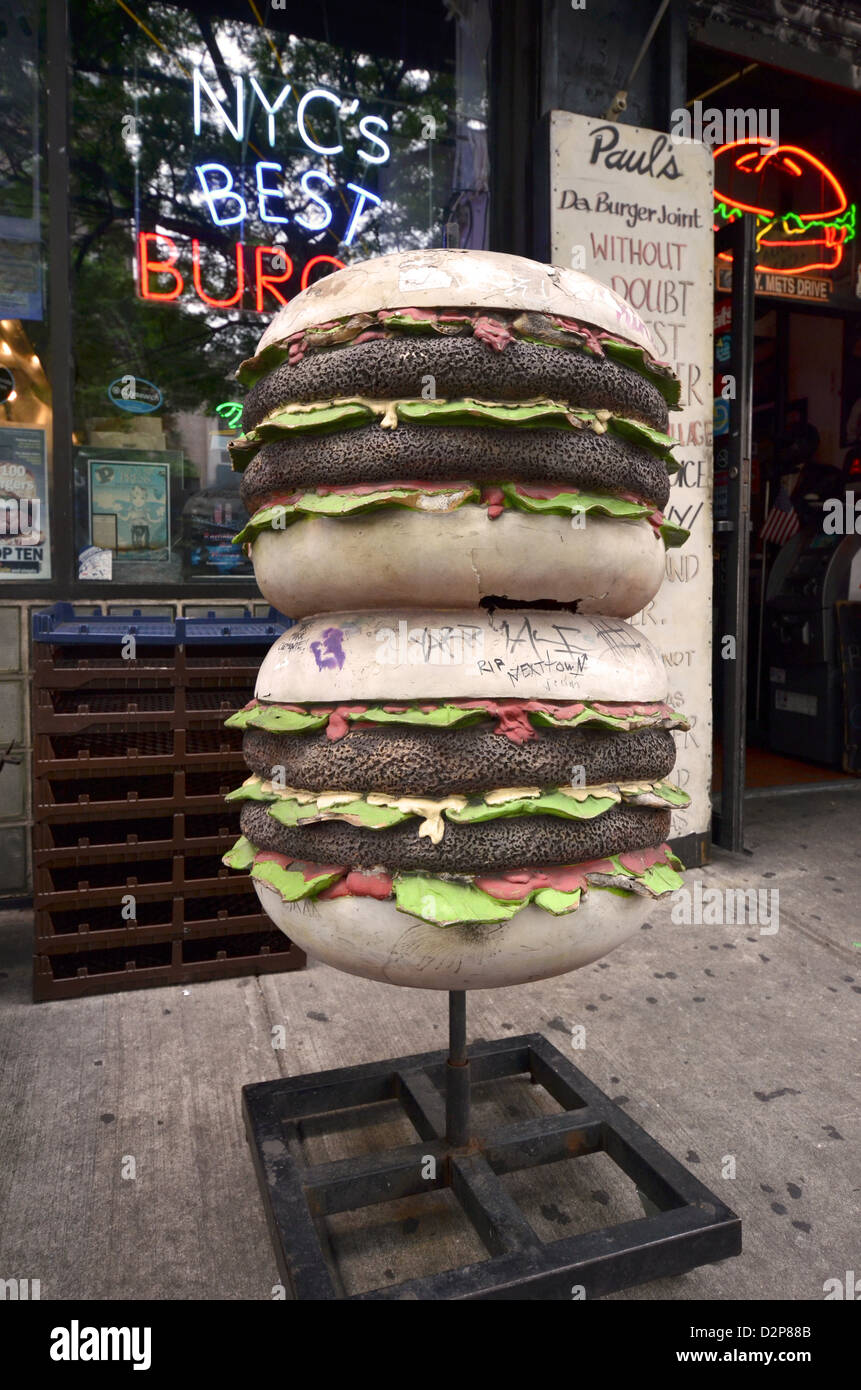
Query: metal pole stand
point(685, 1224)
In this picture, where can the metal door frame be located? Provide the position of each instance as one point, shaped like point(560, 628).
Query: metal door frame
point(739, 239)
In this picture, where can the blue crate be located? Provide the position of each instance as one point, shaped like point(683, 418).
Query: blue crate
point(64, 625)
point(232, 632)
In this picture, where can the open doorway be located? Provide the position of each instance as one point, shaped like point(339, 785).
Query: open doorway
point(804, 593)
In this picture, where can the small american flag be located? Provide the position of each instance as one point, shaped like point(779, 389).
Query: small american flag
point(782, 520)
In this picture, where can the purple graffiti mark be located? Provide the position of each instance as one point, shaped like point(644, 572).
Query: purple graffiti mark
point(328, 652)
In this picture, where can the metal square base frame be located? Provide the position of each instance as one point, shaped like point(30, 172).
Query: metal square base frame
point(686, 1225)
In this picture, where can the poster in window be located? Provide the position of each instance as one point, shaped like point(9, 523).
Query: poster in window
point(129, 508)
point(25, 541)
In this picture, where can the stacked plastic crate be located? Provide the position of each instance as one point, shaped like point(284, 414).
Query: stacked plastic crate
point(131, 765)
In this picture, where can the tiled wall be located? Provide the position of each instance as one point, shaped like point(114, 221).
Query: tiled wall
point(15, 772)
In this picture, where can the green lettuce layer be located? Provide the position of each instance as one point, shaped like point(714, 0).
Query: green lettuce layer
point(280, 515)
point(351, 413)
point(280, 720)
point(447, 901)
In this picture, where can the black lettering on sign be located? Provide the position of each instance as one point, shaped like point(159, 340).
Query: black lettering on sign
point(681, 568)
point(658, 162)
point(684, 516)
point(690, 473)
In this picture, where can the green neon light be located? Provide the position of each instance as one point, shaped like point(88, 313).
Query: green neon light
point(231, 411)
point(793, 224)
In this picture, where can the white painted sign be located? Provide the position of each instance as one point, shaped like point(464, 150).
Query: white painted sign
point(634, 209)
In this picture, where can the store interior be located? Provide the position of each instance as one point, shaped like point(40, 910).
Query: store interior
point(803, 709)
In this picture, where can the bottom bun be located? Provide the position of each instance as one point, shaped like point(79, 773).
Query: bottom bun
point(369, 937)
point(612, 566)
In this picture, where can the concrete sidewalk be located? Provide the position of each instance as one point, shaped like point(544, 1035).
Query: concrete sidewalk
point(722, 1042)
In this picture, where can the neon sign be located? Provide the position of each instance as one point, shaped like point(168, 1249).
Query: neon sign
point(237, 127)
point(762, 177)
point(231, 411)
point(168, 266)
point(228, 206)
point(158, 259)
point(227, 192)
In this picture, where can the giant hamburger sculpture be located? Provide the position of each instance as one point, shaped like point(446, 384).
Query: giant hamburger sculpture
point(446, 789)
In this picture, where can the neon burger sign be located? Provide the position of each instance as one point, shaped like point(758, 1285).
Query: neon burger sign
point(803, 217)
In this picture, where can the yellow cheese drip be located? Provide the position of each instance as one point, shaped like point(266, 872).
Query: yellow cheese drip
point(432, 825)
point(496, 798)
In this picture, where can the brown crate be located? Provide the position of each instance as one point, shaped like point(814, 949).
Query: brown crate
point(200, 787)
point(211, 829)
point(86, 852)
point(203, 743)
point(127, 749)
point(71, 711)
point(141, 966)
point(208, 914)
point(56, 664)
point(97, 748)
point(72, 796)
point(80, 841)
point(210, 709)
point(236, 661)
point(131, 766)
point(71, 975)
point(234, 945)
point(104, 882)
point(75, 794)
point(86, 926)
point(103, 878)
point(66, 842)
point(82, 929)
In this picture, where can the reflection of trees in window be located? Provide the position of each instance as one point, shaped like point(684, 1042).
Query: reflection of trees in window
point(134, 154)
point(18, 110)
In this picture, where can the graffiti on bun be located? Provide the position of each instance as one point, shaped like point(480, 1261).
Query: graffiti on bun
point(423, 427)
point(459, 799)
point(804, 219)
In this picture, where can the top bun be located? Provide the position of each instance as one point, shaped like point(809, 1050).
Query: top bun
point(416, 654)
point(459, 279)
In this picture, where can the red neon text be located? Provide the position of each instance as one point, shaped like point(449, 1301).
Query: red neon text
point(159, 254)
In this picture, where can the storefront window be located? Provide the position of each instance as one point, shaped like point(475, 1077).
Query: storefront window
point(218, 167)
point(25, 396)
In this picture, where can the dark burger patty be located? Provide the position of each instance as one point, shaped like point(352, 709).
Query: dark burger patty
point(404, 761)
point(391, 368)
point(516, 842)
point(370, 454)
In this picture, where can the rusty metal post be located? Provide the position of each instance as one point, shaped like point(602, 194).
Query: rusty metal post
point(457, 1109)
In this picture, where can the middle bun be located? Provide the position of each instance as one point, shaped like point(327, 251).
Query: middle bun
point(612, 565)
